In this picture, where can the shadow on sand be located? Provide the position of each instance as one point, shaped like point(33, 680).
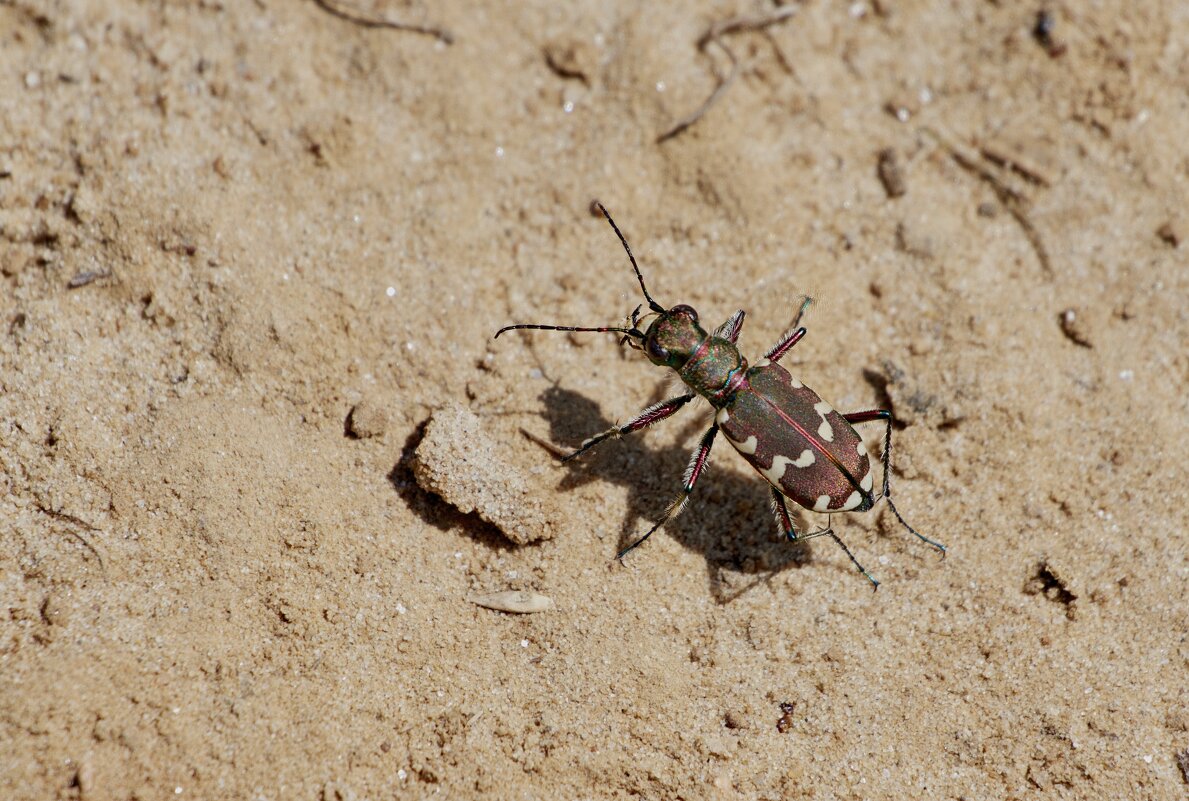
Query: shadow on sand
point(728, 520)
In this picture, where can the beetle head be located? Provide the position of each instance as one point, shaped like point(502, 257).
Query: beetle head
point(672, 337)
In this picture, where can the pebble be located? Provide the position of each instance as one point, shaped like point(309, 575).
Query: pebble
point(1073, 325)
point(1172, 232)
point(367, 419)
point(891, 172)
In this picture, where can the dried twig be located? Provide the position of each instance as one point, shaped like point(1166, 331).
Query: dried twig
point(77, 521)
point(88, 277)
point(332, 7)
point(556, 450)
point(1021, 163)
point(714, 35)
point(1014, 199)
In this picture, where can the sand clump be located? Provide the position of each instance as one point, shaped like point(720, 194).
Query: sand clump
point(459, 462)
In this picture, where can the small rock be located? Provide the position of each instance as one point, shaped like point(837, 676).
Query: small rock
point(1043, 31)
point(891, 172)
point(1073, 325)
point(1172, 232)
point(459, 463)
point(367, 419)
point(574, 59)
point(903, 107)
point(786, 720)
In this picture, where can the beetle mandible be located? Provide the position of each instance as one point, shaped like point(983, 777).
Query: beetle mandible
point(808, 452)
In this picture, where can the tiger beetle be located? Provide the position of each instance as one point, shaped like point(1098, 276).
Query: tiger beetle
point(808, 453)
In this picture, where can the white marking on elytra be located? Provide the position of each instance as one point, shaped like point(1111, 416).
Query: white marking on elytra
point(805, 459)
point(776, 472)
point(762, 363)
point(861, 449)
point(823, 503)
point(794, 383)
point(722, 418)
point(825, 430)
point(868, 482)
point(747, 446)
point(852, 501)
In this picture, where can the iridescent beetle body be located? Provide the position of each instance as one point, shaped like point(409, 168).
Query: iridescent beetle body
point(806, 451)
point(803, 447)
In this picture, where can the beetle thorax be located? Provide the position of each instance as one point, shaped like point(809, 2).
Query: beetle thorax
point(715, 370)
point(710, 366)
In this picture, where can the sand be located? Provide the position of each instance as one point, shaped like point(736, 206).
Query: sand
point(251, 253)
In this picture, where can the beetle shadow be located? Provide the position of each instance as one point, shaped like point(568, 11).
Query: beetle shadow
point(728, 519)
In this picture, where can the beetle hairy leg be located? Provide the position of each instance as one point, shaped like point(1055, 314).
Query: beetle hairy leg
point(697, 464)
point(652, 414)
point(790, 337)
point(784, 344)
point(731, 328)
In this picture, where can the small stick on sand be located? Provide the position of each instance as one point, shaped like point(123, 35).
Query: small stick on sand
point(69, 518)
point(88, 277)
point(1013, 198)
point(332, 7)
point(714, 35)
point(556, 450)
point(521, 602)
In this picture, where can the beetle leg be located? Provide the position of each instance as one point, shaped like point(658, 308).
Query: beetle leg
point(697, 464)
point(652, 414)
point(784, 521)
point(886, 416)
point(790, 337)
point(805, 301)
point(785, 344)
point(731, 328)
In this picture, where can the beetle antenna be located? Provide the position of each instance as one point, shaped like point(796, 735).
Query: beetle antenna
point(630, 332)
point(652, 304)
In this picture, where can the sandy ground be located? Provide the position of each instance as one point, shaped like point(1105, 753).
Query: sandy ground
point(248, 250)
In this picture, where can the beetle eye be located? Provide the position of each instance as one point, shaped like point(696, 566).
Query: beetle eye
point(688, 311)
point(655, 350)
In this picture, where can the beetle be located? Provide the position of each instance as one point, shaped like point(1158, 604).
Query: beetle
point(806, 451)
